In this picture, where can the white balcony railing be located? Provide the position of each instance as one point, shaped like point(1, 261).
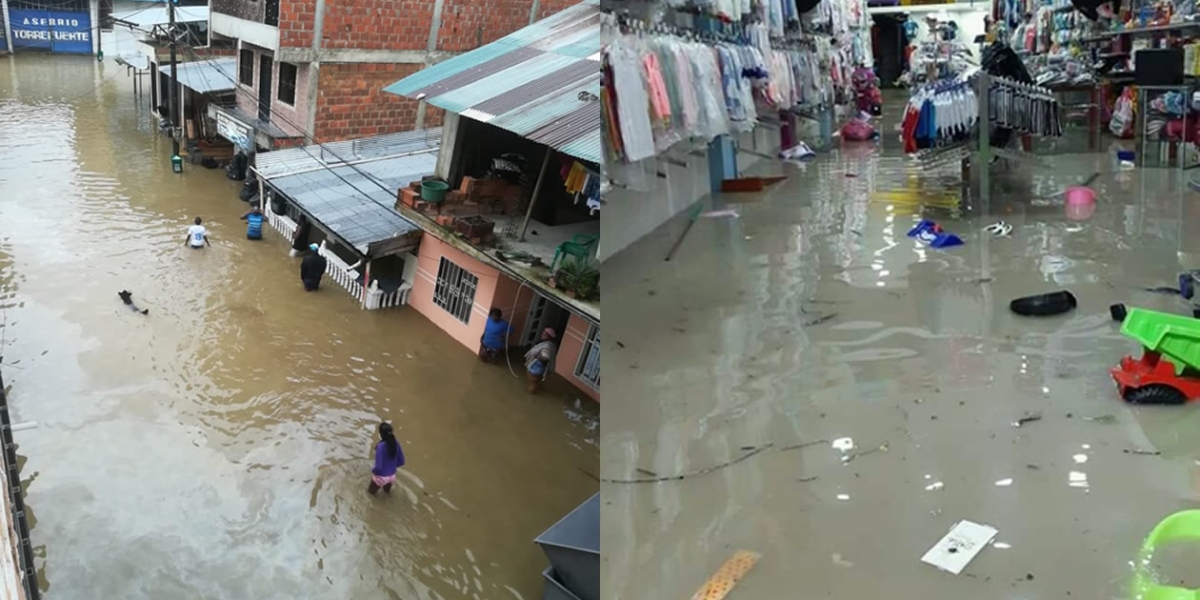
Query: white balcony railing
point(344, 274)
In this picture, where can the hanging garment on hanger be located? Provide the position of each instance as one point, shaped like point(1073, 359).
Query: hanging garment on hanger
point(632, 100)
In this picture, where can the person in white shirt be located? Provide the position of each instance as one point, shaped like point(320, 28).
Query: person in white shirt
point(197, 235)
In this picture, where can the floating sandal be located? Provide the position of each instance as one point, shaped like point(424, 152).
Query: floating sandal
point(999, 228)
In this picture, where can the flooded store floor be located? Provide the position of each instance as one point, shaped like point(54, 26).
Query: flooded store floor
point(218, 447)
point(837, 396)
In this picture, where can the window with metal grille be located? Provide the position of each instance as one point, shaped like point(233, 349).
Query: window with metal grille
point(588, 369)
point(455, 290)
point(287, 83)
point(246, 67)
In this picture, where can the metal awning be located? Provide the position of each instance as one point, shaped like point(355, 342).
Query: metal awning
point(146, 18)
point(354, 199)
point(541, 82)
point(204, 76)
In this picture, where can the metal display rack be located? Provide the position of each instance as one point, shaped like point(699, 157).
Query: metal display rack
point(979, 150)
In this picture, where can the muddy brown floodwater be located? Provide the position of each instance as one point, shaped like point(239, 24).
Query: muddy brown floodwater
point(217, 448)
point(907, 395)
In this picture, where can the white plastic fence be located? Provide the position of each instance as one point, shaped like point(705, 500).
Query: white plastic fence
point(340, 272)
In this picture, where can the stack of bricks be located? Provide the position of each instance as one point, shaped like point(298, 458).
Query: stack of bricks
point(410, 197)
point(496, 194)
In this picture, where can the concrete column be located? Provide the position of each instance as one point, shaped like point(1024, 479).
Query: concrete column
point(431, 46)
point(447, 153)
point(314, 70)
point(722, 161)
point(7, 26)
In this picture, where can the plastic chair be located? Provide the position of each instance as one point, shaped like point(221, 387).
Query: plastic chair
point(1183, 525)
point(580, 247)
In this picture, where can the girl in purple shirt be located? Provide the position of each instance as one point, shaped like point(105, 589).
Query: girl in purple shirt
point(388, 457)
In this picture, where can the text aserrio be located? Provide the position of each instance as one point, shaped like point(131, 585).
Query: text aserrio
point(62, 32)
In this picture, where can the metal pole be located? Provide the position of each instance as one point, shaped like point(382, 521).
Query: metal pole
point(537, 187)
point(7, 26)
point(98, 44)
point(174, 81)
point(983, 160)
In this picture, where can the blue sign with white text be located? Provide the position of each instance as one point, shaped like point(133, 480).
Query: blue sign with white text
point(61, 32)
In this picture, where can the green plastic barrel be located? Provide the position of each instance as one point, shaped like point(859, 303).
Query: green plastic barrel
point(434, 191)
point(1175, 337)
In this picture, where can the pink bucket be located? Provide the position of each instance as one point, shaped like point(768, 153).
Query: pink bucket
point(1080, 195)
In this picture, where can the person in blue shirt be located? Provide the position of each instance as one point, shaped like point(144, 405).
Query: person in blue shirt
point(254, 222)
point(495, 336)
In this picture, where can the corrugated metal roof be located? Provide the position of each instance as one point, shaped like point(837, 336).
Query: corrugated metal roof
point(528, 82)
point(278, 163)
point(354, 199)
point(140, 62)
point(215, 75)
point(157, 15)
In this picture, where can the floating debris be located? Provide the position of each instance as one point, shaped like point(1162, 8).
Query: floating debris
point(958, 548)
point(807, 479)
point(1028, 418)
point(850, 457)
point(1141, 452)
point(819, 319)
point(1106, 419)
point(1162, 289)
point(722, 582)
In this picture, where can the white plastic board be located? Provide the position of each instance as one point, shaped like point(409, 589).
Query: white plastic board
point(958, 548)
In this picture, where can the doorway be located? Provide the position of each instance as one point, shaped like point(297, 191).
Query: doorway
point(544, 313)
point(889, 41)
point(265, 64)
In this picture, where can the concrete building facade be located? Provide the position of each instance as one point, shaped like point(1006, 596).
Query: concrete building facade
point(319, 66)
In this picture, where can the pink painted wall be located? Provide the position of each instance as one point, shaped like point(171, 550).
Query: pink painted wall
point(569, 349)
point(494, 289)
point(431, 252)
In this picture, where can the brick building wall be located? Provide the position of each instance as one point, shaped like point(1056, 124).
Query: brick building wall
point(296, 22)
point(349, 99)
point(469, 24)
point(251, 11)
point(377, 24)
point(351, 102)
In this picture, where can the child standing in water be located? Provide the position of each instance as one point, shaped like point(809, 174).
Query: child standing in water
point(388, 457)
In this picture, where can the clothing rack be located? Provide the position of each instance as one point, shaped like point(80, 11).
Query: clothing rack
point(984, 152)
point(978, 150)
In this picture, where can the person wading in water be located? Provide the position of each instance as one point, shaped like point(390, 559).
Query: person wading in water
point(538, 359)
point(388, 457)
point(300, 240)
point(254, 222)
point(312, 268)
point(197, 236)
point(495, 336)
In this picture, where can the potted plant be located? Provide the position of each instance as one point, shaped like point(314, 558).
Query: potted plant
point(586, 289)
point(578, 277)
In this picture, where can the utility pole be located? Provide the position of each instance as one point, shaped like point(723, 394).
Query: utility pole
point(176, 160)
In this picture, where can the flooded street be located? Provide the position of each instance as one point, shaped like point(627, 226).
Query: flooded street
point(218, 447)
point(836, 396)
